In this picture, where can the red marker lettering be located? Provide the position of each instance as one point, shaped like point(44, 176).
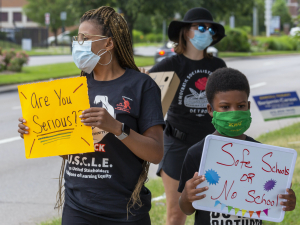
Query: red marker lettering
point(244, 162)
point(270, 153)
point(226, 194)
point(228, 154)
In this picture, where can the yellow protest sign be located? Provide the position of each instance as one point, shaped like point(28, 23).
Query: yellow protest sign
point(51, 110)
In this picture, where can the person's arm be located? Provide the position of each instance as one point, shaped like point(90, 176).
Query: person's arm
point(189, 194)
point(290, 198)
point(147, 146)
point(147, 143)
point(189, 179)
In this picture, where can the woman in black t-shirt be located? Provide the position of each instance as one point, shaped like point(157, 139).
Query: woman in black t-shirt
point(187, 121)
point(107, 186)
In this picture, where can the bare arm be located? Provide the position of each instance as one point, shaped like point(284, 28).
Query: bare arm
point(143, 70)
point(147, 146)
point(189, 192)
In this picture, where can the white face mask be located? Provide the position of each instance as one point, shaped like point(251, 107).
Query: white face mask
point(83, 56)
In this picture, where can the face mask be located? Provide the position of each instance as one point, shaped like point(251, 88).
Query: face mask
point(83, 56)
point(232, 123)
point(201, 40)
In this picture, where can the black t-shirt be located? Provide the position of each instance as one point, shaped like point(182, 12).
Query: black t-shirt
point(188, 111)
point(191, 165)
point(101, 183)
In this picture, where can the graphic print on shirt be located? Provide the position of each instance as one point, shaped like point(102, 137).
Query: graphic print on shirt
point(124, 106)
point(194, 97)
point(226, 219)
point(99, 134)
point(89, 168)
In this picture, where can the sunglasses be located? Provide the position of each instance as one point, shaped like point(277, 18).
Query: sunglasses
point(202, 29)
point(83, 37)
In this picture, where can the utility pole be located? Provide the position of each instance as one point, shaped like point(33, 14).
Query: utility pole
point(232, 21)
point(268, 16)
point(255, 21)
point(63, 17)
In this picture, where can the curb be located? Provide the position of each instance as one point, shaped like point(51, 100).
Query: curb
point(14, 87)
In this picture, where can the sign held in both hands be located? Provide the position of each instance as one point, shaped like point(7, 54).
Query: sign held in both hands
point(51, 110)
point(245, 178)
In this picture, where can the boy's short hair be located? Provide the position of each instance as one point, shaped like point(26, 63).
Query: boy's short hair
point(226, 79)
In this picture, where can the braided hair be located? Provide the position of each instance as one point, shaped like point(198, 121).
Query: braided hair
point(115, 26)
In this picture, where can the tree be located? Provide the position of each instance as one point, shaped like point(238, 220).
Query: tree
point(166, 9)
point(131, 8)
point(36, 9)
point(279, 8)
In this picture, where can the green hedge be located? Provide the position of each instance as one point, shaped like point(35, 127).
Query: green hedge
point(236, 40)
point(283, 43)
point(138, 37)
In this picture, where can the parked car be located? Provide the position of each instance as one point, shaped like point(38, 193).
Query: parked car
point(62, 39)
point(168, 50)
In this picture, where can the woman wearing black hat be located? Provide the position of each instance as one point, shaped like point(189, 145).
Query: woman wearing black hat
point(187, 120)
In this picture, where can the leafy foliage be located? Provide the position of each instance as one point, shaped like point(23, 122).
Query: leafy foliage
point(36, 9)
point(280, 8)
point(12, 60)
point(236, 40)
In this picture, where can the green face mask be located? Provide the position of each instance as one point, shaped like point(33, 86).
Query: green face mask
point(232, 123)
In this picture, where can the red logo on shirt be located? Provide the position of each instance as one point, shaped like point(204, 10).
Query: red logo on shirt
point(124, 107)
point(99, 147)
point(201, 83)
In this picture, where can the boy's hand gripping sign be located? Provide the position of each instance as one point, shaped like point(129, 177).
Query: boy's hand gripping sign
point(51, 110)
point(245, 178)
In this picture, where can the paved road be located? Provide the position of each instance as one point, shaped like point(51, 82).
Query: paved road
point(28, 187)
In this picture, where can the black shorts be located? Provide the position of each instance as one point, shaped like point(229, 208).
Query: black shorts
point(72, 216)
point(174, 154)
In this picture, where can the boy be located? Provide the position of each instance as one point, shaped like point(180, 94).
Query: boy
point(227, 91)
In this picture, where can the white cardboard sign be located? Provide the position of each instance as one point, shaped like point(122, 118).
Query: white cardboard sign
point(245, 178)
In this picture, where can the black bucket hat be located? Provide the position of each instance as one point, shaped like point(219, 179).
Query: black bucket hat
point(195, 15)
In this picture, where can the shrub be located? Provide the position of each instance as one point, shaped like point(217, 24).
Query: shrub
point(12, 60)
point(283, 43)
point(138, 36)
point(154, 37)
point(236, 40)
point(8, 55)
point(2, 63)
point(16, 63)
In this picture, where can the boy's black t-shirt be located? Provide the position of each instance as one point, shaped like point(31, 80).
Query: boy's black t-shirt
point(101, 183)
point(188, 111)
point(191, 165)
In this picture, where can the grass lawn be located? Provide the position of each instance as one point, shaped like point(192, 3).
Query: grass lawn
point(282, 137)
point(145, 44)
point(249, 54)
point(36, 73)
point(286, 137)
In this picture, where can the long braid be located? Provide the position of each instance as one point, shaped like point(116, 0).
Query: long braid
point(115, 26)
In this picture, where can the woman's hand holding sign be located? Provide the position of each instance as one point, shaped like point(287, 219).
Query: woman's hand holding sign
point(99, 117)
point(23, 129)
point(190, 192)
